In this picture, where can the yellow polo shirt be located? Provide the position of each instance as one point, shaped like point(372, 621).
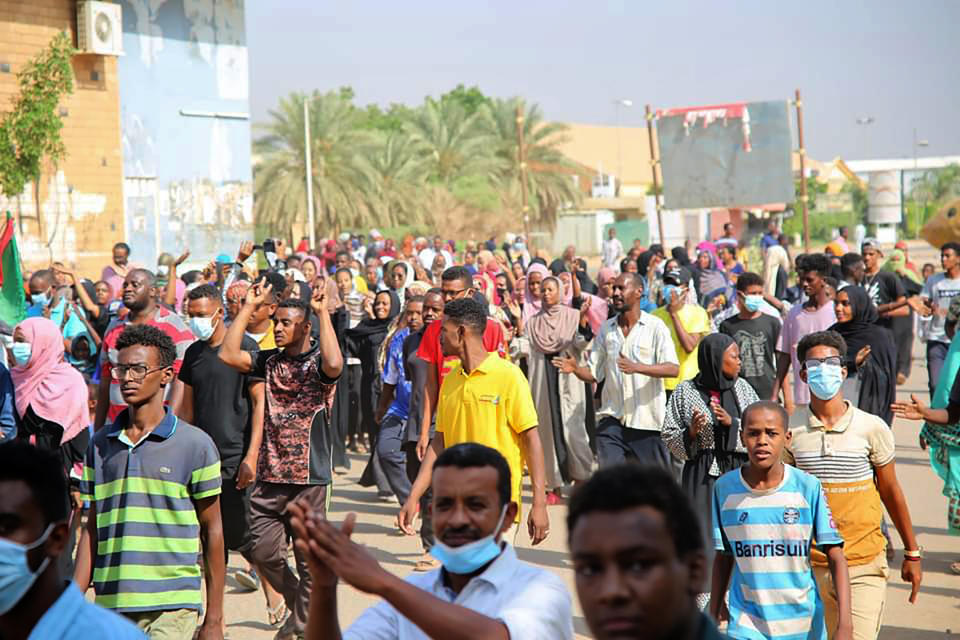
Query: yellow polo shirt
point(492, 406)
point(694, 319)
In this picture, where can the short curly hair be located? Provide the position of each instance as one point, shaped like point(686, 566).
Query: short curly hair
point(467, 312)
point(821, 338)
point(145, 335)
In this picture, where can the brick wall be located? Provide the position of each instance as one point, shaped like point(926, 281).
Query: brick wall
point(81, 205)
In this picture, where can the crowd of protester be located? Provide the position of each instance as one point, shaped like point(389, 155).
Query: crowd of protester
point(716, 419)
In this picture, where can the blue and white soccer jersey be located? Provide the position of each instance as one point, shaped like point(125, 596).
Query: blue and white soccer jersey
point(773, 593)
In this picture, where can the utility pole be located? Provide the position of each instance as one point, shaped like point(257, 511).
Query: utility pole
point(803, 174)
point(653, 170)
point(522, 163)
point(312, 231)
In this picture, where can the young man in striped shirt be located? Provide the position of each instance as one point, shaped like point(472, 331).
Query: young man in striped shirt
point(766, 517)
point(153, 483)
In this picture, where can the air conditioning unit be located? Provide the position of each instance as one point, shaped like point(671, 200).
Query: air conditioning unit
point(99, 28)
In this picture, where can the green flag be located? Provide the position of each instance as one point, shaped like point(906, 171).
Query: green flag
point(13, 307)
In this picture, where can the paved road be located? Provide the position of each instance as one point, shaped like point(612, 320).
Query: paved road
point(935, 615)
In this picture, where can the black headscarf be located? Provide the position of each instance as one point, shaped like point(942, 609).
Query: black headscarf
point(557, 267)
point(374, 326)
point(643, 262)
point(680, 255)
point(711, 380)
point(878, 375)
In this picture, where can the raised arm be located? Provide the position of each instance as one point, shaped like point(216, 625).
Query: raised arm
point(170, 294)
point(330, 354)
point(231, 352)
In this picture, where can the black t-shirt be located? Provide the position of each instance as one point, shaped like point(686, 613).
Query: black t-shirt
point(416, 369)
point(221, 400)
point(757, 339)
point(884, 287)
point(101, 322)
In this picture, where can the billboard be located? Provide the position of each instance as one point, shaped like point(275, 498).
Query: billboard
point(734, 155)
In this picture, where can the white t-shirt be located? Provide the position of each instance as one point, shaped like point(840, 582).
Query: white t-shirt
point(940, 289)
point(612, 252)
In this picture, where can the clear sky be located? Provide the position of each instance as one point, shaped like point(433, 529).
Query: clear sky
point(892, 60)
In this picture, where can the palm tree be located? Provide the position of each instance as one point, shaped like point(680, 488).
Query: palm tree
point(549, 173)
point(400, 169)
point(456, 144)
point(343, 181)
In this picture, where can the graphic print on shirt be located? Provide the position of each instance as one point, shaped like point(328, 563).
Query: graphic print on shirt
point(753, 353)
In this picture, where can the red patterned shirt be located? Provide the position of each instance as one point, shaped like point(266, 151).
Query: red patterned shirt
point(297, 440)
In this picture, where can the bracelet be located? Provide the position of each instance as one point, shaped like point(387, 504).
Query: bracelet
point(915, 554)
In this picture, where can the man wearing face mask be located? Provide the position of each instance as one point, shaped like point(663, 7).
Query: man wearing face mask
point(851, 452)
point(483, 591)
point(228, 406)
point(35, 600)
point(756, 333)
point(41, 292)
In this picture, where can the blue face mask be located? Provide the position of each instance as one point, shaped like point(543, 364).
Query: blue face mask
point(21, 353)
point(519, 247)
point(469, 557)
point(16, 578)
point(752, 302)
point(825, 380)
point(203, 327)
point(41, 299)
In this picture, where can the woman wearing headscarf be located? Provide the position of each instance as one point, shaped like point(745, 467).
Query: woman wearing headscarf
point(711, 281)
point(902, 326)
point(531, 290)
point(50, 397)
point(647, 265)
point(943, 441)
point(871, 360)
point(364, 342)
point(702, 423)
point(311, 267)
point(558, 329)
point(776, 268)
point(680, 255)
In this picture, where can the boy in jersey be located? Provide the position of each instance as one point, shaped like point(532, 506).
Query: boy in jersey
point(766, 516)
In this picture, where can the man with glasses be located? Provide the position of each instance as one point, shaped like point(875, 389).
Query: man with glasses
point(851, 452)
point(143, 309)
point(153, 484)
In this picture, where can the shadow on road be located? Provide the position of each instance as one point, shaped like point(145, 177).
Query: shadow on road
point(901, 633)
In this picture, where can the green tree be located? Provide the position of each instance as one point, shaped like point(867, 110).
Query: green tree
point(400, 171)
point(344, 182)
point(30, 131)
point(471, 100)
point(456, 143)
point(549, 173)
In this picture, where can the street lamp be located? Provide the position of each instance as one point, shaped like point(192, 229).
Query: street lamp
point(309, 162)
point(622, 102)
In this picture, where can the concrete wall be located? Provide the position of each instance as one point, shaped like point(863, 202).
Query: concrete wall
point(81, 205)
point(187, 178)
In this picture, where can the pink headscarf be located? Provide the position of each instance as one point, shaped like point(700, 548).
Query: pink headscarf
point(55, 390)
point(605, 274)
point(531, 305)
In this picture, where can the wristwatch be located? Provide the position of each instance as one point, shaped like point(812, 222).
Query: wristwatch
point(916, 554)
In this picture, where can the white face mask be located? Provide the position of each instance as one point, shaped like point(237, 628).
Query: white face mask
point(203, 327)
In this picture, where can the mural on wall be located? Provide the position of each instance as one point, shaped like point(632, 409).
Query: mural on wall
point(186, 136)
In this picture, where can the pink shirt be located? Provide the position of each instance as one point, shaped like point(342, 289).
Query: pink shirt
point(801, 322)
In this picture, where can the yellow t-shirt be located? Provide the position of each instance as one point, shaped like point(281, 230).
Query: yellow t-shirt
point(844, 458)
point(492, 406)
point(694, 319)
point(267, 342)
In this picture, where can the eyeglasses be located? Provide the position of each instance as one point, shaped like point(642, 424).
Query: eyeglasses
point(836, 361)
point(137, 372)
point(452, 294)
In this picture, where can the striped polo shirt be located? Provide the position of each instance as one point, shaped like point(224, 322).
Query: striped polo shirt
point(773, 593)
point(148, 534)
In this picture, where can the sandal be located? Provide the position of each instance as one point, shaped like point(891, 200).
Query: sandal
point(278, 615)
point(426, 563)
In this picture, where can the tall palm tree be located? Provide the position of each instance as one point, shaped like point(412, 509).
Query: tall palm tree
point(343, 181)
point(456, 144)
point(549, 173)
point(400, 168)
